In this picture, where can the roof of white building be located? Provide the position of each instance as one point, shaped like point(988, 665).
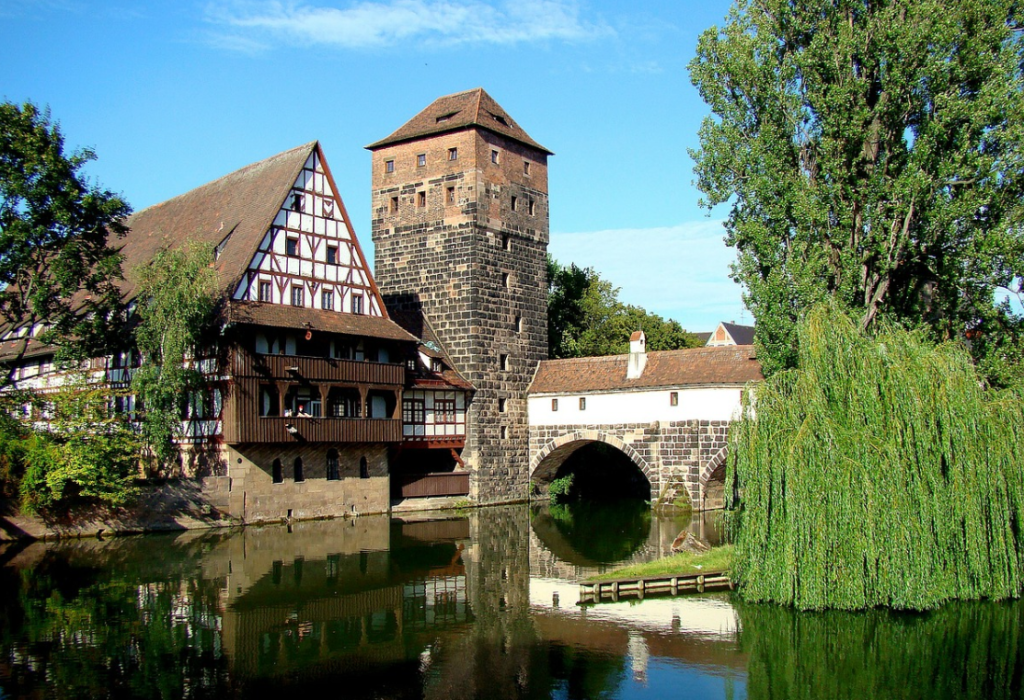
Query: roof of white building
point(731, 365)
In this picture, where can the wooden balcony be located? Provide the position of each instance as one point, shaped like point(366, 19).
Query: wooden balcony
point(316, 369)
point(273, 429)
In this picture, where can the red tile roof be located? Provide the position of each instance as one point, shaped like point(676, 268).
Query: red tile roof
point(417, 323)
point(241, 204)
point(458, 111)
point(732, 365)
point(281, 316)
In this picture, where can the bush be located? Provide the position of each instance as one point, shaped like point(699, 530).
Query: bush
point(559, 490)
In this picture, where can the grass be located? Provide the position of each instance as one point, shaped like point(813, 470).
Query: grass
point(683, 564)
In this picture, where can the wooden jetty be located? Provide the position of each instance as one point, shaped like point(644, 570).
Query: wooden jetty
point(593, 591)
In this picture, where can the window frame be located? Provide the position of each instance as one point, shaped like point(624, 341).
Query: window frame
point(269, 288)
point(453, 154)
point(445, 412)
point(298, 295)
point(389, 166)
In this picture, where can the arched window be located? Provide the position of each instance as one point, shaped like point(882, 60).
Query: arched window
point(364, 468)
point(298, 470)
point(333, 473)
point(276, 473)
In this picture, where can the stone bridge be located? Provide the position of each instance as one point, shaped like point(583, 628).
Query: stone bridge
point(680, 459)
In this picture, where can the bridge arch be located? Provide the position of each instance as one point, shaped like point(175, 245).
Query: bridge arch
point(545, 464)
point(711, 481)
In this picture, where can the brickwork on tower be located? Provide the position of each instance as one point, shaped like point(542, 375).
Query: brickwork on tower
point(460, 230)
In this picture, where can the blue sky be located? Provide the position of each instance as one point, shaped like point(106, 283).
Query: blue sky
point(174, 94)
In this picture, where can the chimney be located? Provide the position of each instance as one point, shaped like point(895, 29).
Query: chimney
point(637, 355)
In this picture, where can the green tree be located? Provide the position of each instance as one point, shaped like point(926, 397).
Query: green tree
point(87, 454)
point(175, 304)
point(586, 318)
point(870, 152)
point(56, 268)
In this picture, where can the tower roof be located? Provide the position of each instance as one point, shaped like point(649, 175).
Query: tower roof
point(458, 111)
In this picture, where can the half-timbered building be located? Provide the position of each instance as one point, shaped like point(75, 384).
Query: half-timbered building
point(305, 408)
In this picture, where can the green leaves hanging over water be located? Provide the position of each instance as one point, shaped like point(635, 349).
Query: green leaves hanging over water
point(878, 474)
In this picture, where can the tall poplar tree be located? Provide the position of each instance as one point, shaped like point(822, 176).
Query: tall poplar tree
point(870, 152)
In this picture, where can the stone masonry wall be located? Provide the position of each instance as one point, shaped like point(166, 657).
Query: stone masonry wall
point(675, 456)
point(477, 268)
point(254, 497)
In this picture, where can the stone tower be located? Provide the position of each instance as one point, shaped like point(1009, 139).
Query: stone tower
point(460, 227)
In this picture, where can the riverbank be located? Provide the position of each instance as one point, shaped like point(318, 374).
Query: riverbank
point(717, 559)
point(170, 506)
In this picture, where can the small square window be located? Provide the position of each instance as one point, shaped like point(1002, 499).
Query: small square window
point(298, 297)
point(291, 247)
point(451, 195)
point(494, 156)
point(389, 166)
point(526, 167)
point(673, 398)
point(421, 159)
point(421, 199)
point(554, 404)
point(265, 291)
point(503, 362)
point(530, 208)
point(394, 205)
point(515, 202)
point(502, 405)
point(332, 255)
point(327, 300)
point(357, 303)
point(453, 154)
point(583, 403)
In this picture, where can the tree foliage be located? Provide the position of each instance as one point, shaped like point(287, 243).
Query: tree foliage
point(880, 473)
point(175, 304)
point(586, 318)
point(871, 153)
point(55, 265)
point(87, 453)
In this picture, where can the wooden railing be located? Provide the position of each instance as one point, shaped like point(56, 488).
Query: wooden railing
point(244, 364)
point(437, 484)
point(276, 429)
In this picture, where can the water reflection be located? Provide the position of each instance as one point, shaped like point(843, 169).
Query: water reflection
point(478, 605)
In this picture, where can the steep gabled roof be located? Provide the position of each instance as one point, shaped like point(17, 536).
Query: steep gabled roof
point(417, 323)
point(241, 204)
point(730, 365)
point(458, 111)
point(742, 335)
point(283, 316)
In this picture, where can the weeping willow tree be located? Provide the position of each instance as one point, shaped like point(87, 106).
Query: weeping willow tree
point(880, 473)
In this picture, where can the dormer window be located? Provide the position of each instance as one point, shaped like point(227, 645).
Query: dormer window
point(500, 119)
point(445, 118)
point(436, 366)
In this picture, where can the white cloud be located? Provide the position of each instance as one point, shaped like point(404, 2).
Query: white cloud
point(679, 272)
point(373, 23)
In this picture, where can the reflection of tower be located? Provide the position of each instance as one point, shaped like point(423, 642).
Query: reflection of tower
point(460, 228)
point(494, 658)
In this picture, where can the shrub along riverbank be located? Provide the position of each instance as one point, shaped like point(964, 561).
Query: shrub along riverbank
point(880, 473)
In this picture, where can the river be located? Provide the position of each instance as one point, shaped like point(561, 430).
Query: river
point(478, 604)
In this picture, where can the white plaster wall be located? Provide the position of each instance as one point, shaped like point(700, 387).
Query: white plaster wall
point(611, 408)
